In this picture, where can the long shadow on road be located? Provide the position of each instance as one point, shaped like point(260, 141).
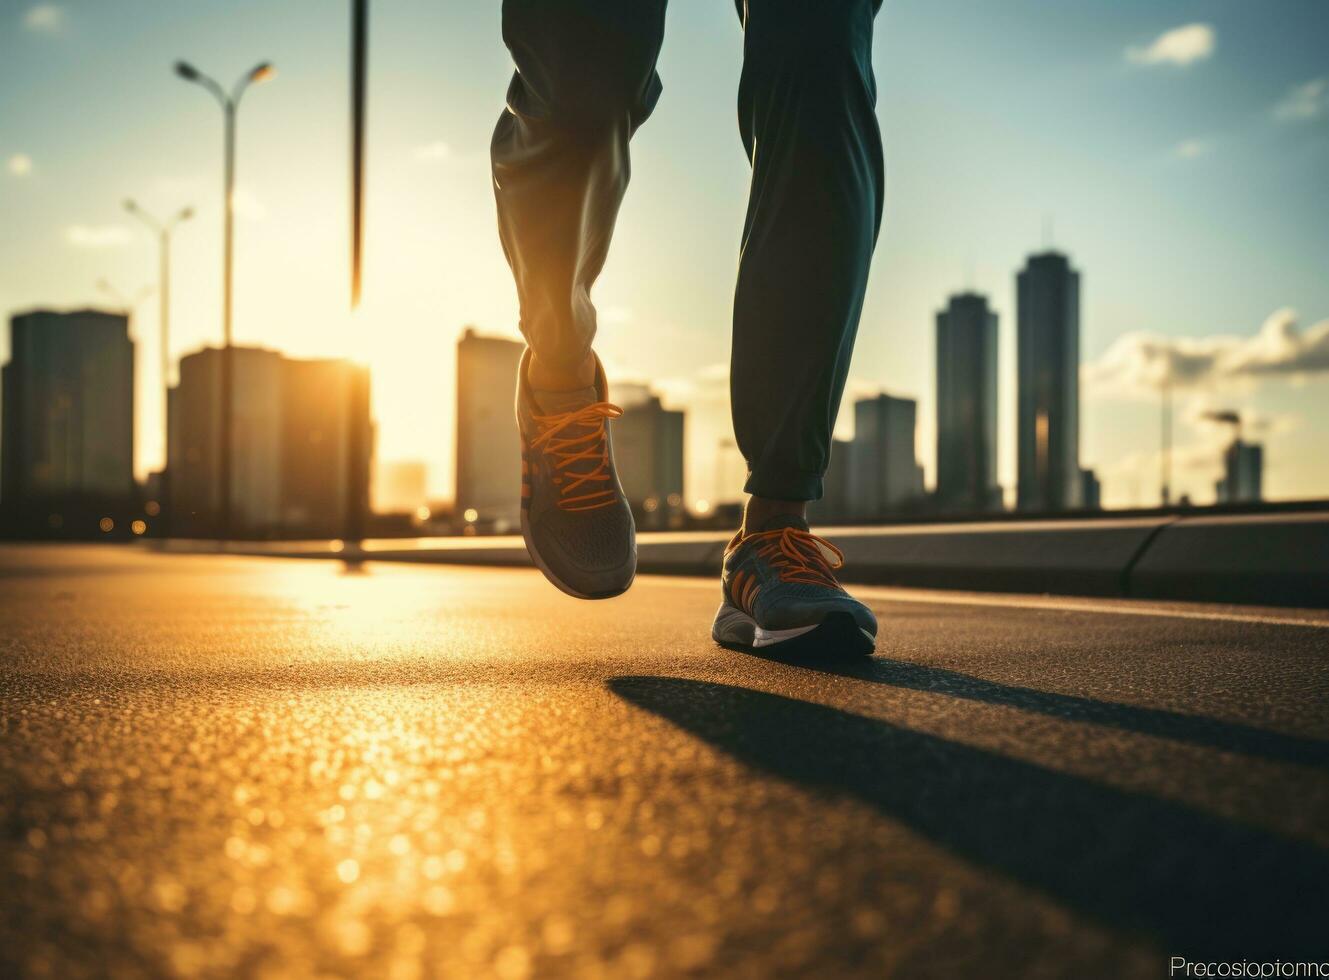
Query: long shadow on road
point(1193, 729)
point(1195, 882)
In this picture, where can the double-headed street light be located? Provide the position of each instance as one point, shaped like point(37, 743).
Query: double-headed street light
point(129, 304)
point(230, 103)
point(162, 229)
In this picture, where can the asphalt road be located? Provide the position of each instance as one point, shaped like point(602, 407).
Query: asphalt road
point(233, 766)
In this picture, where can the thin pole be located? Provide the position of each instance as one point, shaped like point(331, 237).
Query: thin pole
point(227, 373)
point(164, 320)
point(356, 395)
point(1166, 492)
point(359, 32)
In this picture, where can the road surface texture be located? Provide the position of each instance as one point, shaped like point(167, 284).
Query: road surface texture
point(228, 766)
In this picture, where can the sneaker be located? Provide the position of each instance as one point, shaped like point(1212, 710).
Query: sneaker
point(781, 595)
point(576, 522)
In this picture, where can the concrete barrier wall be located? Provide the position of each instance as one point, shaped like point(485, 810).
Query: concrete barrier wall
point(1266, 559)
point(1076, 557)
point(1271, 559)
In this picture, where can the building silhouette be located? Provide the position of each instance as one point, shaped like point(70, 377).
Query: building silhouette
point(67, 442)
point(967, 404)
point(488, 443)
point(884, 474)
point(291, 419)
point(322, 399)
point(1048, 373)
point(648, 453)
point(1243, 473)
point(1091, 490)
point(833, 507)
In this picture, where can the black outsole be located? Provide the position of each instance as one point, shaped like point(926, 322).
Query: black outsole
point(838, 637)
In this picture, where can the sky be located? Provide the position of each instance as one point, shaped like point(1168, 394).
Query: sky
point(1176, 151)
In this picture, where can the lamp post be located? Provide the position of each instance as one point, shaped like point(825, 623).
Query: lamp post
point(163, 229)
point(230, 104)
point(356, 482)
point(129, 304)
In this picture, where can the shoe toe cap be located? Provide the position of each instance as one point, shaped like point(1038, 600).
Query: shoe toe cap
point(592, 552)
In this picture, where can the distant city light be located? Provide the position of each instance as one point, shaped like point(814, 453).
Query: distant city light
point(139, 527)
point(471, 514)
point(422, 513)
point(650, 505)
point(703, 506)
point(152, 508)
point(106, 524)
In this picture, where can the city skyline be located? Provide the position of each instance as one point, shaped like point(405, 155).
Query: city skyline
point(1182, 179)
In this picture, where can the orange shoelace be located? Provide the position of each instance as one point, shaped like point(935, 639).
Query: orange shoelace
point(797, 555)
point(589, 444)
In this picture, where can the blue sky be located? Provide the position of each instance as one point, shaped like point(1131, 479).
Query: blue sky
point(1178, 152)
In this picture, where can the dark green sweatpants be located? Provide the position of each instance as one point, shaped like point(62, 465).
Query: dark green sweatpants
point(586, 80)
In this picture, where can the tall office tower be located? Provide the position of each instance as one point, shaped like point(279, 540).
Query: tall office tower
point(1091, 490)
point(68, 423)
point(291, 443)
point(967, 404)
point(194, 457)
point(1243, 473)
point(648, 452)
point(883, 467)
point(321, 401)
point(833, 506)
point(488, 444)
point(1048, 311)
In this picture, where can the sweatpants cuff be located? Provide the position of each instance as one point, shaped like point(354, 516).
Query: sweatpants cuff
point(784, 486)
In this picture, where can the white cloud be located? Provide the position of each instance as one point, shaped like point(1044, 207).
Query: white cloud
point(1305, 101)
point(20, 165)
point(437, 150)
point(98, 236)
point(1192, 148)
point(1138, 363)
point(44, 18)
point(1179, 46)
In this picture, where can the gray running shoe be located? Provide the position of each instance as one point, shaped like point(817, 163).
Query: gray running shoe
point(576, 522)
point(781, 595)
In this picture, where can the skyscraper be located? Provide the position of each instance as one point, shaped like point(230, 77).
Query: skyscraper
point(967, 404)
point(488, 444)
point(68, 423)
point(1091, 490)
point(194, 455)
point(883, 467)
point(648, 452)
point(1048, 314)
point(1243, 473)
point(289, 471)
point(321, 400)
point(834, 503)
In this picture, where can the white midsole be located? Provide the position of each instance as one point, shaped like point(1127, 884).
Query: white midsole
point(765, 638)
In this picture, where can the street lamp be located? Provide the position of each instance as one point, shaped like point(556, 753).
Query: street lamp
point(163, 230)
point(230, 103)
point(127, 303)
